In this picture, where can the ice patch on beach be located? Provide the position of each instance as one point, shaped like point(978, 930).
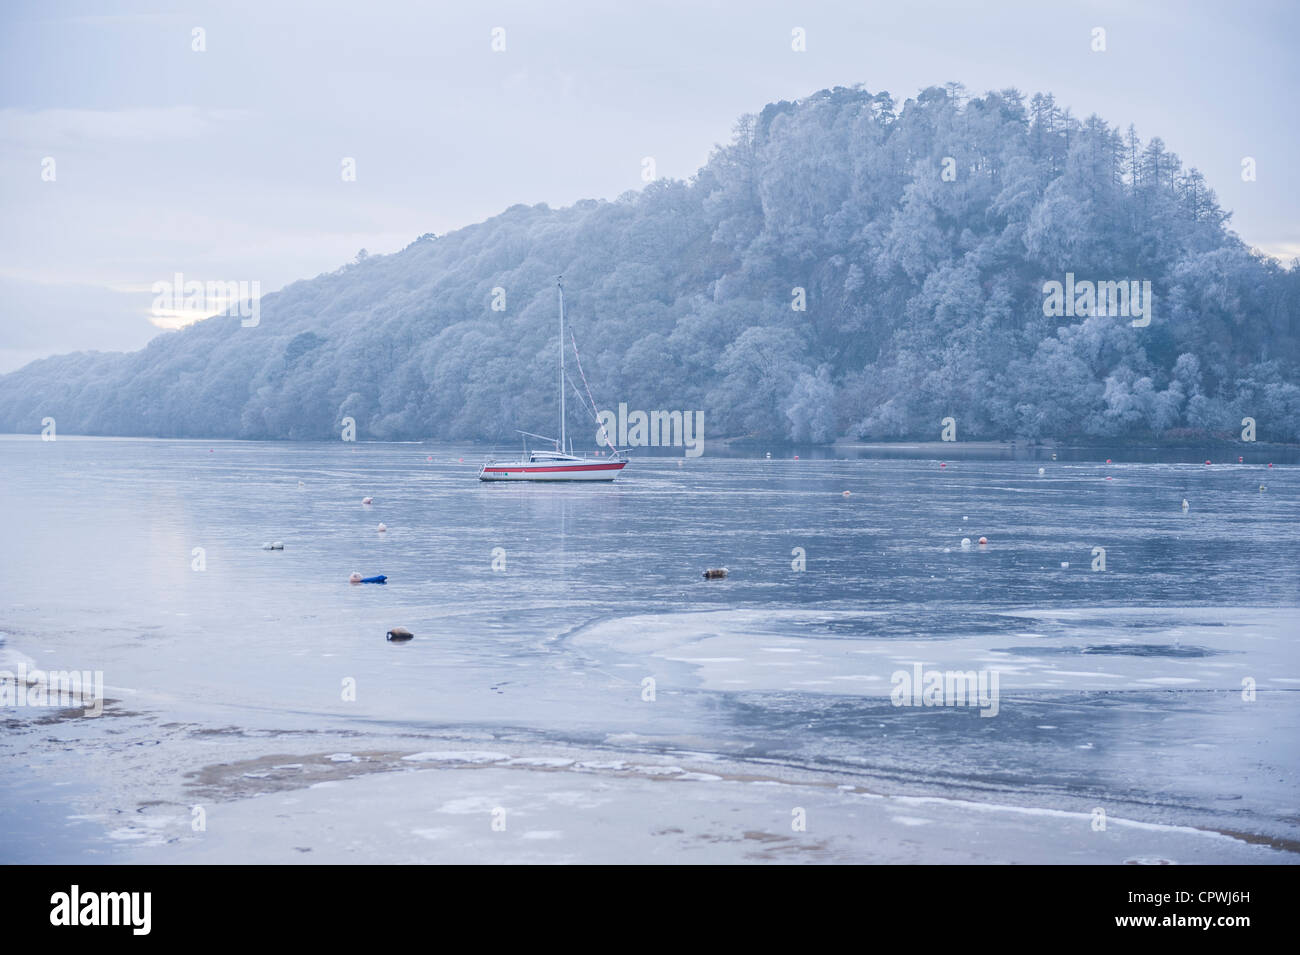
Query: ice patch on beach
point(456, 756)
point(602, 764)
point(470, 805)
point(434, 834)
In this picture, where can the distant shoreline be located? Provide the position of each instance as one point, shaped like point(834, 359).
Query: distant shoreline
point(1008, 444)
point(746, 446)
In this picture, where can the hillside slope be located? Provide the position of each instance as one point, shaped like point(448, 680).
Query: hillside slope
point(921, 236)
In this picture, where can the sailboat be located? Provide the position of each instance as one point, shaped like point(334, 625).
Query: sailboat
point(557, 465)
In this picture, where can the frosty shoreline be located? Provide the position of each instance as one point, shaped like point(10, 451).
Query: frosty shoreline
point(563, 810)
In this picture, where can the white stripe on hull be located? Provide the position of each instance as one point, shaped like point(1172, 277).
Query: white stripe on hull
point(551, 472)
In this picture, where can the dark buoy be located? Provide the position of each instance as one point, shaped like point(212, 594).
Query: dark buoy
point(715, 573)
point(399, 635)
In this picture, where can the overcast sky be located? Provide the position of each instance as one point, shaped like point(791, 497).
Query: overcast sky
point(224, 165)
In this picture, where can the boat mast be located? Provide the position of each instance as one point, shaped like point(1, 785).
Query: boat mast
point(559, 283)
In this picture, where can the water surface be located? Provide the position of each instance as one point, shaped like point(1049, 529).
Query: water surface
point(1120, 687)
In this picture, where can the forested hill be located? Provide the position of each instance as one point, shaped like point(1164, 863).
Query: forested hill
point(921, 234)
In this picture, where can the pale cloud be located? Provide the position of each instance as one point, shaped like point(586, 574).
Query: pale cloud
point(1284, 251)
point(63, 128)
point(172, 319)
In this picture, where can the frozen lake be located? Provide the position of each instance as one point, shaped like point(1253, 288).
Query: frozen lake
point(598, 699)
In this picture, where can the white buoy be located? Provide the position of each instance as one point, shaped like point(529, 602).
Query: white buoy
point(382, 527)
point(1042, 471)
point(965, 543)
point(1065, 563)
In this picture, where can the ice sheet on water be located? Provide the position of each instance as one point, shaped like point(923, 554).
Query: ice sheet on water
point(809, 651)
